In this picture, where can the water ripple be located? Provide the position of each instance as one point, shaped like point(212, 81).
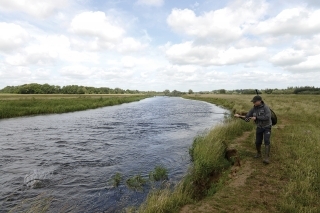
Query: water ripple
point(72, 157)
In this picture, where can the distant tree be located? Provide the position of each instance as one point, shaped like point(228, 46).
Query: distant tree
point(35, 88)
point(190, 91)
point(118, 91)
point(268, 91)
point(222, 91)
point(166, 92)
point(306, 90)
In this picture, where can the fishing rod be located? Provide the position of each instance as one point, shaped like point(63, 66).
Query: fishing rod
point(216, 113)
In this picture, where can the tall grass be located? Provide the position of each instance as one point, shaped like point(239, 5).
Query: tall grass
point(300, 148)
point(207, 153)
point(295, 156)
point(297, 143)
point(35, 105)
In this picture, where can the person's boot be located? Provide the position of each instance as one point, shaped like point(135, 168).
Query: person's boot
point(266, 159)
point(258, 147)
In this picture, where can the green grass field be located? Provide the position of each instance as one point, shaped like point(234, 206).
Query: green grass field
point(291, 183)
point(13, 105)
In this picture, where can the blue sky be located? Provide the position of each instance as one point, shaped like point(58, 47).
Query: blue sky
point(161, 44)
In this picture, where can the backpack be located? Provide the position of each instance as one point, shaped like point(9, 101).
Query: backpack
point(274, 118)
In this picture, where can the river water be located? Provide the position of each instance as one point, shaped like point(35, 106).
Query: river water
point(70, 158)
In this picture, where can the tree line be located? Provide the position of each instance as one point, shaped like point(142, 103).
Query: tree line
point(35, 88)
point(288, 90)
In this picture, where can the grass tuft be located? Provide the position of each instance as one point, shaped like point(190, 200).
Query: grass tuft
point(116, 179)
point(159, 173)
point(136, 182)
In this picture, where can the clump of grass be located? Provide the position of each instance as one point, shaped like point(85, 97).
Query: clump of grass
point(159, 173)
point(194, 144)
point(136, 182)
point(116, 179)
point(39, 204)
point(167, 200)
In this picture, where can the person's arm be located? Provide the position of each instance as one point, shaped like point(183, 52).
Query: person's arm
point(250, 113)
point(247, 117)
point(266, 115)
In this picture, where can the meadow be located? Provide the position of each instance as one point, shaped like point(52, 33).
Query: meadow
point(291, 183)
point(15, 105)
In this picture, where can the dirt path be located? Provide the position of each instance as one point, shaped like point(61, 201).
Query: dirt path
point(253, 187)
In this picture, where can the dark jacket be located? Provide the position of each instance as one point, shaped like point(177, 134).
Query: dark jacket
point(263, 115)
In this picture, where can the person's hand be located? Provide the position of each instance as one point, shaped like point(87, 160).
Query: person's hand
point(237, 115)
point(254, 118)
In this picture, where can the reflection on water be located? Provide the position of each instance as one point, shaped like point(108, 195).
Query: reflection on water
point(71, 157)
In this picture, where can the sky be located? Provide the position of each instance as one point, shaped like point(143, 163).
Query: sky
point(153, 45)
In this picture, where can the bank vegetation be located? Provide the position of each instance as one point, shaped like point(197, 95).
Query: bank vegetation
point(291, 183)
point(14, 105)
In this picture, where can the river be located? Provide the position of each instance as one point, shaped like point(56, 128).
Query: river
point(69, 159)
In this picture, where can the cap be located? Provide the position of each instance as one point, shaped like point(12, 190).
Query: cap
point(256, 98)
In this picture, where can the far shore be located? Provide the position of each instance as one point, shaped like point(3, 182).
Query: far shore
point(16, 105)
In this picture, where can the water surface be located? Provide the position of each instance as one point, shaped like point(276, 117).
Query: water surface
point(71, 157)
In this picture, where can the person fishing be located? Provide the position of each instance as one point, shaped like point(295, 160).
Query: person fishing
point(261, 115)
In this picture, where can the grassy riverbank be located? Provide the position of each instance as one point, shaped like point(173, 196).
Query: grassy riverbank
point(291, 183)
point(12, 105)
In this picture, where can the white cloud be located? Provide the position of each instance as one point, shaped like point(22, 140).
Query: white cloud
point(259, 43)
point(97, 24)
point(77, 71)
point(313, 3)
point(31, 58)
point(130, 44)
point(128, 61)
point(219, 36)
point(185, 21)
point(311, 46)
point(8, 72)
point(12, 36)
point(37, 8)
point(186, 53)
point(294, 21)
point(100, 32)
point(50, 50)
point(288, 57)
point(310, 65)
point(156, 3)
point(223, 25)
